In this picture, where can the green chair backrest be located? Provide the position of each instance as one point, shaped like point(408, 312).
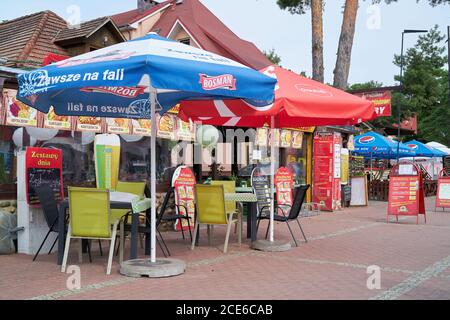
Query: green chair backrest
point(89, 212)
point(210, 201)
point(137, 188)
point(229, 187)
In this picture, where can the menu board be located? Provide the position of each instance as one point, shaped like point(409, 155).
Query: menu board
point(327, 170)
point(262, 189)
point(443, 193)
point(185, 130)
point(91, 124)
point(166, 126)
point(262, 137)
point(53, 121)
point(183, 182)
point(16, 112)
point(286, 138)
point(404, 195)
point(118, 125)
point(284, 184)
point(43, 167)
point(142, 127)
point(297, 139)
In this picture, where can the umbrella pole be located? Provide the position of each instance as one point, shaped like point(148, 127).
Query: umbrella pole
point(153, 174)
point(272, 180)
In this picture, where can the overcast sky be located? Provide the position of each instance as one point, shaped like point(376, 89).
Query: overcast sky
point(377, 39)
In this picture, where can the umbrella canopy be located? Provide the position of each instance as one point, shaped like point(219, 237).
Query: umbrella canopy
point(440, 147)
point(375, 145)
point(422, 150)
point(115, 81)
point(128, 80)
point(298, 102)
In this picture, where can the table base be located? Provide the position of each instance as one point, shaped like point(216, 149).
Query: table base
point(268, 246)
point(162, 268)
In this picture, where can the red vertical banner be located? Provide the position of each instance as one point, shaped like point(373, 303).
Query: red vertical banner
point(323, 170)
point(406, 196)
point(443, 192)
point(284, 184)
point(43, 167)
point(183, 182)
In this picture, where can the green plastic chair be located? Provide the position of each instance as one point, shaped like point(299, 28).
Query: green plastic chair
point(137, 188)
point(90, 218)
point(211, 211)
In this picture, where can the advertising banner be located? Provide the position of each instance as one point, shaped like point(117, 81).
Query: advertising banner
point(53, 121)
point(323, 170)
point(43, 167)
point(443, 192)
point(90, 124)
point(118, 125)
point(297, 139)
point(185, 130)
point(107, 160)
point(142, 127)
point(16, 112)
point(183, 182)
point(262, 135)
point(166, 126)
point(406, 196)
point(286, 138)
point(381, 99)
point(284, 185)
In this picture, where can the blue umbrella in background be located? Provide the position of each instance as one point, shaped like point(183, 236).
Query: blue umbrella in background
point(374, 145)
point(129, 80)
point(422, 150)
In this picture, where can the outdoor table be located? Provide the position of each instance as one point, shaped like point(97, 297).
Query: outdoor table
point(244, 189)
point(118, 200)
point(251, 199)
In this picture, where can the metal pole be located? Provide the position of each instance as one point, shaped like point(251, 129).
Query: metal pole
point(272, 177)
point(153, 175)
point(399, 105)
point(448, 56)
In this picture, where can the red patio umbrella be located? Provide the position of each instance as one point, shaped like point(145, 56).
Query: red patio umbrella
point(299, 101)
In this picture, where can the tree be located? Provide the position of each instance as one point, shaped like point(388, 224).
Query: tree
point(273, 56)
point(425, 86)
point(425, 89)
point(342, 69)
point(316, 6)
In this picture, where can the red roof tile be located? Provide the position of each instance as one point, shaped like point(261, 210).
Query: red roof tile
point(30, 38)
point(211, 33)
point(129, 17)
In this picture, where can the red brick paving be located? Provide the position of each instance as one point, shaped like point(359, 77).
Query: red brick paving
point(331, 266)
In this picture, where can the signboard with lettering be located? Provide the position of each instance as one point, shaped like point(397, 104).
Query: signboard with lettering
point(43, 167)
point(284, 185)
point(53, 121)
point(327, 170)
point(262, 189)
point(18, 113)
point(381, 99)
point(443, 192)
point(406, 196)
point(183, 182)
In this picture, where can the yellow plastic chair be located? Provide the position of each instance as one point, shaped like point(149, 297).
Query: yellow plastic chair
point(230, 206)
point(137, 188)
point(90, 218)
point(211, 211)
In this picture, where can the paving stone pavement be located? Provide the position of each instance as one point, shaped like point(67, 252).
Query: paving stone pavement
point(414, 262)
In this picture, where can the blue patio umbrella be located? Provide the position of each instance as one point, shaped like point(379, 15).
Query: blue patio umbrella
point(422, 150)
point(130, 79)
point(374, 145)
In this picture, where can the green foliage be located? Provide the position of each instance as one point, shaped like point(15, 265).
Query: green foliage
point(294, 6)
point(273, 57)
point(425, 89)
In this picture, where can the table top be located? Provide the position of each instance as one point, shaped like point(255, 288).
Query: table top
point(244, 189)
point(241, 197)
point(123, 200)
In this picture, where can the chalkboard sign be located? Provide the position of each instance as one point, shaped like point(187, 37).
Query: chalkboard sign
point(261, 187)
point(43, 167)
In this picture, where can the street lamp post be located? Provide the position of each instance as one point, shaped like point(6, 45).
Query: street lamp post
point(401, 87)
